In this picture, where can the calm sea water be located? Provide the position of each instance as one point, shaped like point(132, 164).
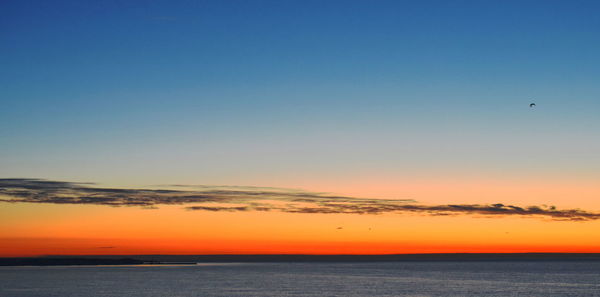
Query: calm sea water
point(523, 279)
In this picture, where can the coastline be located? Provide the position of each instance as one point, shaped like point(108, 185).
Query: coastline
point(112, 260)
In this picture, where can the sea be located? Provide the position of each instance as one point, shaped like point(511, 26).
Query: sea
point(414, 279)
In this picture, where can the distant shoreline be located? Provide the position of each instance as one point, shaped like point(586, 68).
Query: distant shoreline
point(265, 258)
point(67, 261)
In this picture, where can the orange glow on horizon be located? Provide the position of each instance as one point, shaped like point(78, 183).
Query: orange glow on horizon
point(23, 247)
point(31, 229)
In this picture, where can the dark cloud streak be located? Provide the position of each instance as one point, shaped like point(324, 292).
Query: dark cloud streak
point(241, 199)
point(59, 192)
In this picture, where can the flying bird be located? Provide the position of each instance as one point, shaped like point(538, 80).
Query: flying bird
point(531, 104)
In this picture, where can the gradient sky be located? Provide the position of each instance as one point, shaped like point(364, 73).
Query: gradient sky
point(421, 100)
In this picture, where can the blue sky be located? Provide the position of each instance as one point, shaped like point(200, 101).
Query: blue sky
point(229, 92)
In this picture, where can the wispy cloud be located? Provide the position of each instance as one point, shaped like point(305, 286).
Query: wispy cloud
point(242, 199)
point(60, 192)
point(436, 210)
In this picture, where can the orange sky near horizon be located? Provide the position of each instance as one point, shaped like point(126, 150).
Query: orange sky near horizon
point(31, 229)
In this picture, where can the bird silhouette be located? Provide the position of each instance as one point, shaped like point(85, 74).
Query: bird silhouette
point(531, 104)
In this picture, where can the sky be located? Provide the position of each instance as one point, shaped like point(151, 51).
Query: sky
point(402, 127)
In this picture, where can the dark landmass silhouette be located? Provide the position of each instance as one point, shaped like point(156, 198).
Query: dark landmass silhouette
point(55, 261)
point(193, 259)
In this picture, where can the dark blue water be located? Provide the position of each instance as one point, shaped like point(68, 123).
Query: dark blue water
point(523, 279)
